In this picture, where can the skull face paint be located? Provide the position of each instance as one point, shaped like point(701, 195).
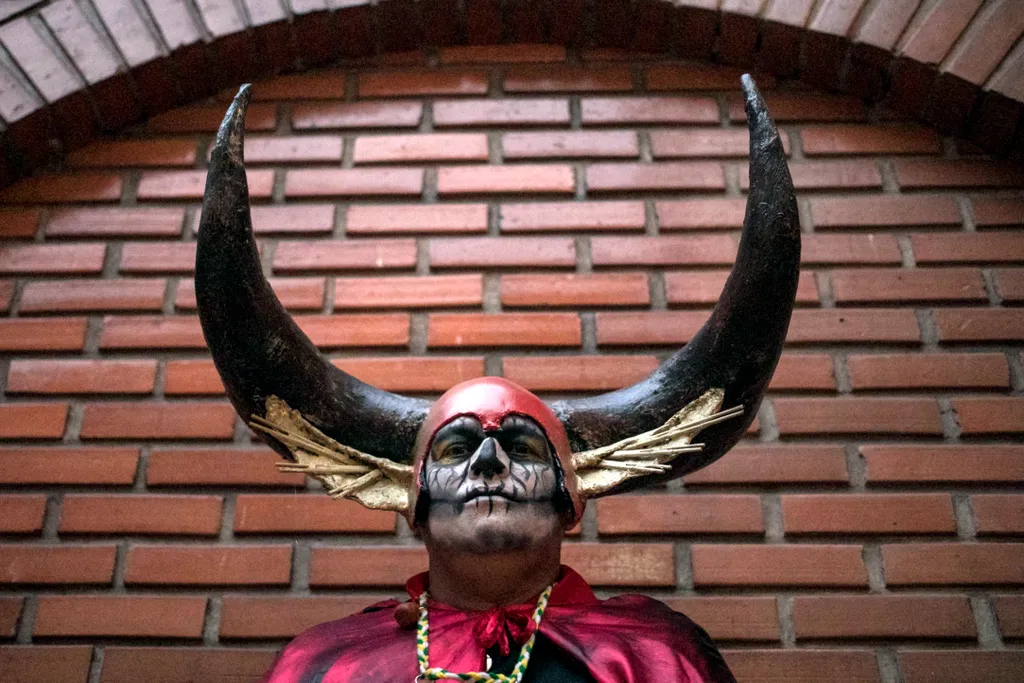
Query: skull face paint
point(491, 491)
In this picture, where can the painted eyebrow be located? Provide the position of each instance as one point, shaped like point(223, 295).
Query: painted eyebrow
point(464, 427)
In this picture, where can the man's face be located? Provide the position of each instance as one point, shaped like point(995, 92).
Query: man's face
point(491, 491)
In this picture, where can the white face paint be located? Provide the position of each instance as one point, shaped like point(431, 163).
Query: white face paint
point(491, 491)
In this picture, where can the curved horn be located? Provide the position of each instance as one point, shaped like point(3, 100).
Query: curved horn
point(258, 349)
point(739, 346)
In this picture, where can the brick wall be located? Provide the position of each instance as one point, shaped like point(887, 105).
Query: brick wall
point(566, 221)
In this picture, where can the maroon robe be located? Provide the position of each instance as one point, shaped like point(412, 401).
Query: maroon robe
point(627, 639)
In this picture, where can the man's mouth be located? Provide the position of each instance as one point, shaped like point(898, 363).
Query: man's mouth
point(485, 493)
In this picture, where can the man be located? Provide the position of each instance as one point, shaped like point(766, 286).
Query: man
point(490, 477)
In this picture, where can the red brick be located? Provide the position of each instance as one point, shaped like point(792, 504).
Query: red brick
point(732, 618)
point(140, 514)
point(873, 513)
point(503, 252)
point(158, 421)
point(777, 565)
point(369, 566)
point(929, 370)
point(503, 329)
point(288, 220)
point(700, 77)
point(586, 291)
point(570, 144)
point(416, 83)
point(160, 257)
point(57, 334)
point(882, 616)
point(788, 464)
point(704, 143)
point(801, 106)
point(938, 463)
point(804, 371)
point(577, 373)
point(853, 139)
point(301, 86)
point(908, 284)
point(572, 216)
point(296, 293)
point(339, 182)
point(998, 513)
point(507, 112)
point(194, 565)
point(547, 78)
point(1010, 610)
point(56, 564)
point(657, 251)
point(420, 148)
point(57, 189)
point(969, 666)
point(132, 616)
point(307, 514)
point(980, 324)
point(119, 222)
point(207, 118)
point(265, 617)
point(996, 211)
point(149, 152)
point(648, 110)
point(689, 175)
point(1004, 414)
point(92, 295)
point(622, 564)
point(393, 114)
point(388, 329)
point(680, 514)
point(883, 211)
point(32, 420)
point(780, 666)
point(54, 466)
point(917, 173)
point(6, 294)
point(32, 663)
point(435, 374)
point(852, 249)
point(857, 416)
point(432, 291)
point(217, 467)
point(1010, 284)
point(191, 184)
point(701, 214)
point(817, 175)
point(81, 376)
point(18, 223)
point(968, 248)
point(705, 286)
point(655, 327)
point(10, 611)
point(21, 515)
point(499, 54)
point(857, 326)
point(293, 149)
point(184, 664)
point(936, 564)
point(65, 259)
point(514, 179)
point(151, 332)
point(345, 255)
point(401, 219)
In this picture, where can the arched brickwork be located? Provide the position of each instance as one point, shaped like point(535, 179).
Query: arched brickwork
point(70, 70)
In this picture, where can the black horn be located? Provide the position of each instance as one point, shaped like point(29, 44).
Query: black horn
point(739, 346)
point(258, 349)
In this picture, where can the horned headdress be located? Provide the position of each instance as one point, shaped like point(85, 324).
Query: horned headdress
point(361, 441)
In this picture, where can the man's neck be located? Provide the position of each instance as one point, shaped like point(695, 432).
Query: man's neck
point(479, 582)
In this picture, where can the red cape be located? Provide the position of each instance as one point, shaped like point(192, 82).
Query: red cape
point(627, 639)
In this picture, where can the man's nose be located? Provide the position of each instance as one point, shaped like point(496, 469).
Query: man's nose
point(489, 460)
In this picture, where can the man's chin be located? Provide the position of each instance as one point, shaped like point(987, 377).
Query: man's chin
point(487, 533)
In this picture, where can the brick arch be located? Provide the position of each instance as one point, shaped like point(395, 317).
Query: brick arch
point(72, 70)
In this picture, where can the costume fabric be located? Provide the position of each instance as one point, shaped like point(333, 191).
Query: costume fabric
point(627, 639)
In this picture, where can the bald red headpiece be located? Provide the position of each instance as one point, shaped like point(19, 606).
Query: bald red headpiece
point(491, 400)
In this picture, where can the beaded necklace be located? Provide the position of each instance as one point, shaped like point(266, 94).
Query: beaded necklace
point(435, 674)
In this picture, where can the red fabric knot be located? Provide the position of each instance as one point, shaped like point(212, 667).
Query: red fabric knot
point(496, 624)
